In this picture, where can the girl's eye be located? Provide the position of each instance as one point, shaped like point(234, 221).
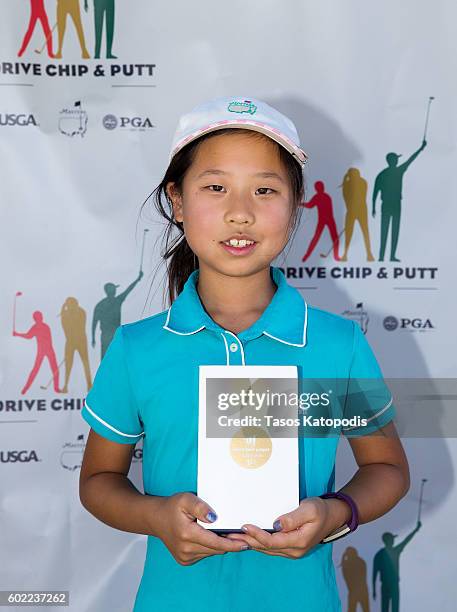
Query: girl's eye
point(260, 190)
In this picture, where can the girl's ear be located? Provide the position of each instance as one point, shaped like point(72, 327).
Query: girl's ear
point(175, 199)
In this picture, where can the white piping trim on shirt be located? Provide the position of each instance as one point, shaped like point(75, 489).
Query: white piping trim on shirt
point(304, 332)
point(110, 426)
point(372, 417)
point(226, 348)
point(165, 326)
point(241, 346)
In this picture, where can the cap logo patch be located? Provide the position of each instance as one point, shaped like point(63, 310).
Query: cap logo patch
point(242, 107)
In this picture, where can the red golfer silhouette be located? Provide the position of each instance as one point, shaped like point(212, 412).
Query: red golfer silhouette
point(42, 332)
point(38, 13)
point(325, 218)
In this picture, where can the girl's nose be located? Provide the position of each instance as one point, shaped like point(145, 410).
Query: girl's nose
point(239, 210)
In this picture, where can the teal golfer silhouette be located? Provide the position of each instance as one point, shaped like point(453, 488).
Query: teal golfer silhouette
point(386, 564)
point(389, 183)
point(108, 313)
point(104, 13)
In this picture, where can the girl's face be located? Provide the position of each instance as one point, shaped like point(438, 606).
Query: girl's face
point(236, 187)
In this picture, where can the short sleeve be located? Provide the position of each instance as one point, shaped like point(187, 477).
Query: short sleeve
point(369, 402)
point(110, 407)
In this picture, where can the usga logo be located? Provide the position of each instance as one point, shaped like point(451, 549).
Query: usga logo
point(392, 323)
point(22, 456)
point(141, 124)
point(11, 119)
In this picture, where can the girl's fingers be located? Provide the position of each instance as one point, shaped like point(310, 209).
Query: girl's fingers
point(256, 545)
point(278, 541)
point(263, 537)
point(253, 539)
point(201, 536)
point(308, 511)
point(243, 537)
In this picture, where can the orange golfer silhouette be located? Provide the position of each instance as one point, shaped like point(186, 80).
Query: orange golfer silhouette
point(42, 332)
point(37, 13)
point(325, 218)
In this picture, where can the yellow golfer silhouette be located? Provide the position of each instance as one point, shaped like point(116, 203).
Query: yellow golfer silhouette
point(72, 8)
point(73, 319)
point(355, 189)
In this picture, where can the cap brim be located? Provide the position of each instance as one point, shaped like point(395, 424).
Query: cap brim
point(247, 124)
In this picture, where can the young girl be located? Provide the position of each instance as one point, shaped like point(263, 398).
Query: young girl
point(233, 190)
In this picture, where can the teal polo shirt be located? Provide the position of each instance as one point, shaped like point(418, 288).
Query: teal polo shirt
point(146, 387)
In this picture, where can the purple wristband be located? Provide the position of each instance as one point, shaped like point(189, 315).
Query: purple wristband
point(354, 522)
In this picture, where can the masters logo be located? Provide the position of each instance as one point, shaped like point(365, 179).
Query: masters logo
point(246, 106)
point(73, 121)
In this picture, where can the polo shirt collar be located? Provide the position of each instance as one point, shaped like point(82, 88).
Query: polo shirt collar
point(285, 318)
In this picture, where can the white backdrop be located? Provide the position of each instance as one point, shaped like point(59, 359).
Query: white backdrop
point(84, 141)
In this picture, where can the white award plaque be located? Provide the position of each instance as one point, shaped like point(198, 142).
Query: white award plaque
point(246, 474)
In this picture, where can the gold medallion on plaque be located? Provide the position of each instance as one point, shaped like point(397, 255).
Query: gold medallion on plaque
point(251, 447)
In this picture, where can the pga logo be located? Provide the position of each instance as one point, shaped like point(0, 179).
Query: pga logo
point(111, 122)
point(392, 323)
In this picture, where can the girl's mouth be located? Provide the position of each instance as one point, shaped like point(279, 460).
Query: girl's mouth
point(239, 247)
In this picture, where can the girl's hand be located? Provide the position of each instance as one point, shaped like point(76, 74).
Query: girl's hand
point(301, 529)
point(176, 525)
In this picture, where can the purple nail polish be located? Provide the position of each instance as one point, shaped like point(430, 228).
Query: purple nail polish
point(277, 525)
point(211, 516)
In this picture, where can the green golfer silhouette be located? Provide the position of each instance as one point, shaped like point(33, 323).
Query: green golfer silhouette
point(104, 12)
point(389, 183)
point(386, 564)
point(108, 313)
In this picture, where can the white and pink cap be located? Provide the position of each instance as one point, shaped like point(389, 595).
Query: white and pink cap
point(247, 113)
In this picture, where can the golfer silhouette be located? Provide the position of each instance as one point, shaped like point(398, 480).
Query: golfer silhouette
point(386, 563)
point(73, 319)
point(325, 218)
point(354, 570)
point(389, 183)
point(37, 13)
point(108, 313)
point(42, 332)
point(104, 12)
point(355, 189)
point(72, 8)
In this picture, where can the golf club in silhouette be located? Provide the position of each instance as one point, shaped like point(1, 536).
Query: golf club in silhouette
point(39, 51)
point(145, 231)
point(424, 480)
point(430, 100)
point(332, 245)
point(18, 294)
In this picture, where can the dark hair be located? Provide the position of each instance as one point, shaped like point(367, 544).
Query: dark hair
point(179, 258)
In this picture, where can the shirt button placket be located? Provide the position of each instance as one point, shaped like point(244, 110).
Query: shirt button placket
point(235, 349)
